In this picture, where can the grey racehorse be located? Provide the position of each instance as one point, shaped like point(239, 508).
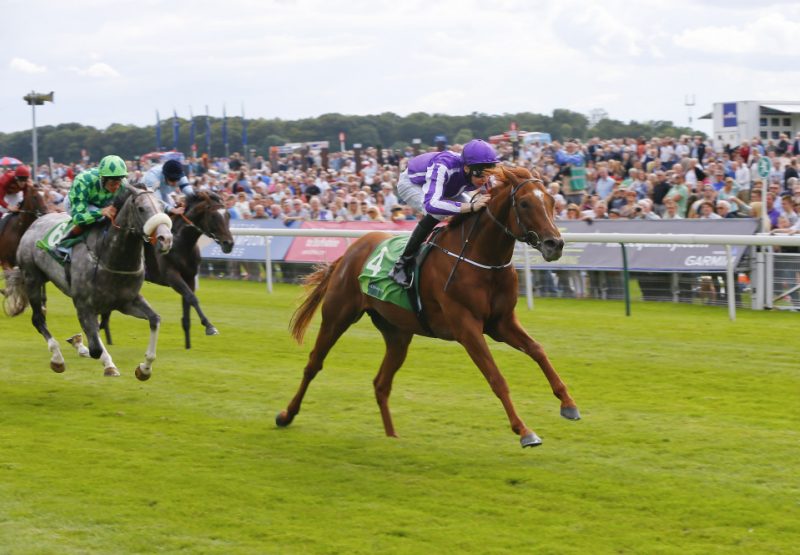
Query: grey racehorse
point(106, 274)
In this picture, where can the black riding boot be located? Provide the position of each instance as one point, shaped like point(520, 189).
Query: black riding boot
point(401, 272)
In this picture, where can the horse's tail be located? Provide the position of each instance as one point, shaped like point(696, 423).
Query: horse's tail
point(16, 299)
point(316, 285)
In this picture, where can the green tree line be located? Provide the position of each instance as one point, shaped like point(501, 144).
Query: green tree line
point(64, 142)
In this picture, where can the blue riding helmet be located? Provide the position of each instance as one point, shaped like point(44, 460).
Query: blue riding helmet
point(173, 170)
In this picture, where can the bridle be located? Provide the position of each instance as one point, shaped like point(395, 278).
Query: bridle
point(207, 232)
point(152, 238)
point(528, 236)
point(41, 208)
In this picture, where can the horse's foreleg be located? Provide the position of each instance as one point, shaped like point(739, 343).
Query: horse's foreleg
point(396, 350)
point(88, 320)
point(141, 309)
point(470, 335)
point(511, 332)
point(186, 291)
point(186, 322)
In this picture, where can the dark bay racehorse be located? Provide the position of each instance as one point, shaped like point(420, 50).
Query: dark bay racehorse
point(205, 214)
point(107, 273)
point(33, 205)
point(478, 300)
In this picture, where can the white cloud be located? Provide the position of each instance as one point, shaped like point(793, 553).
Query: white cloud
point(770, 33)
point(26, 66)
point(98, 70)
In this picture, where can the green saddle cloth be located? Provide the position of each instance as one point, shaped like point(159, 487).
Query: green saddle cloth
point(374, 277)
point(53, 237)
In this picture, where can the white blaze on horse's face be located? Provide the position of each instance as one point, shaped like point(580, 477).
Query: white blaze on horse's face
point(222, 211)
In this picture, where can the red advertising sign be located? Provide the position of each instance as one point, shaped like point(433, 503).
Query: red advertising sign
point(328, 249)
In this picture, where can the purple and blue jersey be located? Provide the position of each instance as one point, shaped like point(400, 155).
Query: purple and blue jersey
point(442, 179)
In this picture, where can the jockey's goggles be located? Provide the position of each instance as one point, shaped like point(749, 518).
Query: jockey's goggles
point(478, 169)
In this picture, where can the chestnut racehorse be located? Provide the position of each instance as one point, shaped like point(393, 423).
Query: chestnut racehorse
point(33, 206)
point(468, 288)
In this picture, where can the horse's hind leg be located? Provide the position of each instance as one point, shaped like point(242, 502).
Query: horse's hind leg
point(335, 321)
point(34, 288)
point(511, 332)
point(397, 343)
point(105, 325)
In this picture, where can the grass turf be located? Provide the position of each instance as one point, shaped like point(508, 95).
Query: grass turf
point(688, 443)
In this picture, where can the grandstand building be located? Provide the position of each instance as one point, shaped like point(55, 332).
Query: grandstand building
point(737, 121)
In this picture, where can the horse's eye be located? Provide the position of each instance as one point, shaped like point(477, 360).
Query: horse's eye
point(524, 204)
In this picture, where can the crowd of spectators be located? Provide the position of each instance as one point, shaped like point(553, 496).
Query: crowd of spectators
point(660, 178)
point(640, 179)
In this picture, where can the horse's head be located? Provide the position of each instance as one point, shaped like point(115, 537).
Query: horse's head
point(139, 212)
point(206, 211)
point(33, 200)
point(522, 206)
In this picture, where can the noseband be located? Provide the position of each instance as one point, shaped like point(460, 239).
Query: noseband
point(130, 229)
point(528, 236)
point(207, 232)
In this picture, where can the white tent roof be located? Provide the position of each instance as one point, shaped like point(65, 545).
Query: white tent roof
point(785, 108)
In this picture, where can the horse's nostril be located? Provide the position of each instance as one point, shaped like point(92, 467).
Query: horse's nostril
point(554, 244)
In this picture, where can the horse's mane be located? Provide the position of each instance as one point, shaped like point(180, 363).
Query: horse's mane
point(122, 196)
point(502, 176)
point(201, 196)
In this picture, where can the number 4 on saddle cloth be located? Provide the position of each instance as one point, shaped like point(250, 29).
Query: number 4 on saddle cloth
point(54, 246)
point(376, 282)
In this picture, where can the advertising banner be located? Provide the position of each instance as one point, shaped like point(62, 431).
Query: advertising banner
point(328, 249)
point(250, 248)
point(729, 114)
point(648, 257)
point(645, 257)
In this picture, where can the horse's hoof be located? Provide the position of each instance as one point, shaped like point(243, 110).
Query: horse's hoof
point(84, 352)
point(530, 440)
point(141, 376)
point(111, 372)
point(571, 413)
point(57, 367)
point(75, 339)
point(211, 330)
point(282, 419)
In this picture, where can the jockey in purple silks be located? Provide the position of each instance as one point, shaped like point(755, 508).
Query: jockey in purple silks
point(435, 184)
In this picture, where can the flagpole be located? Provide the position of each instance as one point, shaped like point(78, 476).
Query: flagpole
point(225, 131)
point(208, 133)
point(158, 132)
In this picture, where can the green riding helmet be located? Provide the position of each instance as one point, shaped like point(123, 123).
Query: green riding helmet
point(112, 166)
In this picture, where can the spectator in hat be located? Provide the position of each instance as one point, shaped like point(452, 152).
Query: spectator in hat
point(396, 214)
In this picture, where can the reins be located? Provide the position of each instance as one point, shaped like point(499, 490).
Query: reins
point(528, 236)
point(152, 239)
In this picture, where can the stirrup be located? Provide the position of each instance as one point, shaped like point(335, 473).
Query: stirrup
point(401, 272)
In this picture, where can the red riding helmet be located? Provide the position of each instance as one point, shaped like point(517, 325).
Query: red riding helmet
point(22, 171)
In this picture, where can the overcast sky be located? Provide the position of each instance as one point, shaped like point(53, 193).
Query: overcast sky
point(120, 61)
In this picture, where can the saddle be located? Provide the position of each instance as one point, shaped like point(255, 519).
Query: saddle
point(376, 282)
point(56, 242)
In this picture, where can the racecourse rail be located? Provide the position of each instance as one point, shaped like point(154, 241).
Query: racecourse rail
point(764, 285)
